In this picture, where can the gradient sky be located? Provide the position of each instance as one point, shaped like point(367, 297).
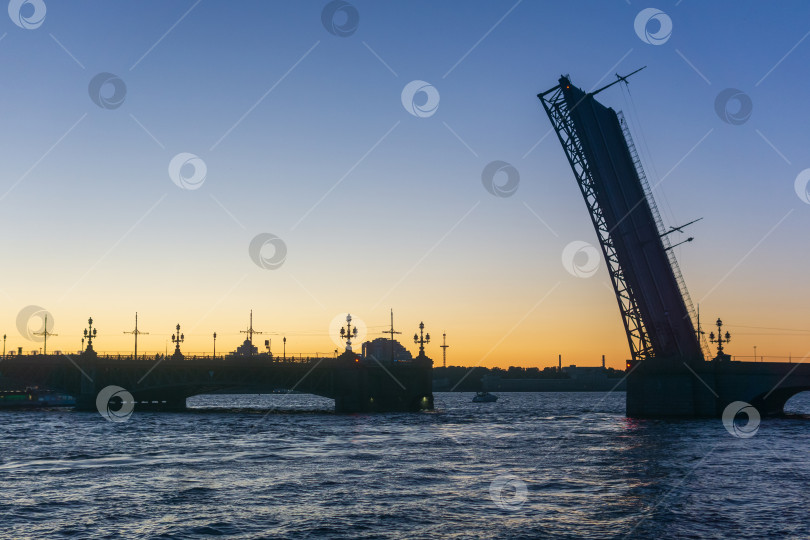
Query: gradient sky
point(304, 136)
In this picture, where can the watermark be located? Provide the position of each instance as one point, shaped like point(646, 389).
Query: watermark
point(423, 92)
point(338, 322)
point(653, 26)
point(267, 251)
point(28, 314)
point(187, 171)
point(802, 186)
point(107, 90)
point(115, 404)
point(340, 18)
point(504, 170)
point(581, 259)
point(28, 14)
point(735, 428)
point(724, 106)
point(508, 492)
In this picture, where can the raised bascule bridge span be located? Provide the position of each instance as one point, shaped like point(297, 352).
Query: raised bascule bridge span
point(668, 374)
point(356, 384)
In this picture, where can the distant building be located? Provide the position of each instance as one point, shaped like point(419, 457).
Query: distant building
point(585, 372)
point(246, 349)
point(569, 379)
point(380, 349)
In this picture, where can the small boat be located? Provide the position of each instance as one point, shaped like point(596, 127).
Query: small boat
point(485, 397)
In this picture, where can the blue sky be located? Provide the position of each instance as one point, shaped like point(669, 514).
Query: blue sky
point(304, 136)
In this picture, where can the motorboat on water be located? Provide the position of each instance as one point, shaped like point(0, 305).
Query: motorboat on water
point(484, 397)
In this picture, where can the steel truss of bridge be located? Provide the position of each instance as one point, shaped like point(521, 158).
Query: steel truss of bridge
point(668, 374)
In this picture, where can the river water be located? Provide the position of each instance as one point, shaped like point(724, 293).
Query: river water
point(532, 465)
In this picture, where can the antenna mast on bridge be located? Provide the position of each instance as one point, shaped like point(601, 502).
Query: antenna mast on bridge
point(44, 334)
point(444, 346)
point(137, 333)
point(392, 332)
point(250, 331)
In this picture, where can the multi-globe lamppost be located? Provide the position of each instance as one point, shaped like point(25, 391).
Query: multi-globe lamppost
point(421, 339)
point(720, 339)
point(89, 334)
point(348, 333)
point(177, 339)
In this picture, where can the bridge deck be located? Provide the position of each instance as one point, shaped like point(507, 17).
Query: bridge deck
point(671, 388)
point(356, 385)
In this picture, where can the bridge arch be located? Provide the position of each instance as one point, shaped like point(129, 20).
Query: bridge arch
point(773, 402)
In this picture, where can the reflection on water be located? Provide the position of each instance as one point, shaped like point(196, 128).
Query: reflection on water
point(528, 466)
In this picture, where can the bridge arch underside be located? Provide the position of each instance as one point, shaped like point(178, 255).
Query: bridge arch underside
point(773, 402)
point(176, 396)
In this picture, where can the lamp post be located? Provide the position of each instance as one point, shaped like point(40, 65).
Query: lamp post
point(89, 334)
point(421, 339)
point(215, 345)
point(284, 357)
point(177, 339)
point(348, 333)
point(755, 353)
point(4, 345)
point(720, 339)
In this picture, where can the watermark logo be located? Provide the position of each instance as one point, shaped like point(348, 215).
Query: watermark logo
point(340, 322)
point(508, 492)
point(505, 188)
point(340, 18)
point(115, 404)
point(30, 313)
point(580, 259)
point(267, 251)
point(107, 90)
point(426, 95)
point(730, 419)
point(660, 34)
point(187, 171)
point(733, 106)
point(28, 14)
point(802, 186)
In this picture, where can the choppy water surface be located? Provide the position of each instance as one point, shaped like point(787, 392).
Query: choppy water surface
point(530, 465)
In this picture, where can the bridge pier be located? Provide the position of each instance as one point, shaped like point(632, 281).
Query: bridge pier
point(370, 387)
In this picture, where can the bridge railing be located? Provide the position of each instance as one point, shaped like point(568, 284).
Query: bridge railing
point(162, 357)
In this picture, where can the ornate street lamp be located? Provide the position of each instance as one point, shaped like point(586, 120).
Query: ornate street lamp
point(720, 338)
point(89, 334)
point(177, 339)
point(348, 333)
point(421, 339)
